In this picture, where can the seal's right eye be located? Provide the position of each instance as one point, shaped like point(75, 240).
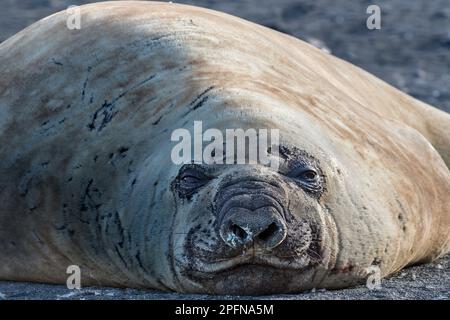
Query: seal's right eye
point(308, 174)
point(305, 173)
point(193, 177)
point(190, 178)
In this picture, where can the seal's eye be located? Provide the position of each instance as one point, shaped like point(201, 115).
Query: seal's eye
point(304, 170)
point(193, 177)
point(308, 178)
point(304, 173)
point(190, 178)
point(308, 175)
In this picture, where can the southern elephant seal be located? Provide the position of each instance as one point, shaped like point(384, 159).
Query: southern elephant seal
point(87, 179)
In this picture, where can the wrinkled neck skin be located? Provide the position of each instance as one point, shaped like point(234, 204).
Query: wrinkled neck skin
point(126, 242)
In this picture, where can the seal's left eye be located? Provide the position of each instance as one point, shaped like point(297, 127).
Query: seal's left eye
point(190, 179)
point(308, 178)
point(308, 175)
point(304, 173)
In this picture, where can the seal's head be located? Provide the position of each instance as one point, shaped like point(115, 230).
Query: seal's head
point(252, 229)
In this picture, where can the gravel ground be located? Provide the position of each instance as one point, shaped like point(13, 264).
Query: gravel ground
point(431, 281)
point(411, 52)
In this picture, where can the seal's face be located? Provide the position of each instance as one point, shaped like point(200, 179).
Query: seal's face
point(248, 228)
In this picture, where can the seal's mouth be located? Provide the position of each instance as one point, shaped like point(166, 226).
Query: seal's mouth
point(248, 261)
point(247, 276)
point(213, 266)
point(301, 249)
point(254, 271)
point(301, 258)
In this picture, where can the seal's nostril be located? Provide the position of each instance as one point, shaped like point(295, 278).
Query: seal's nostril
point(269, 232)
point(240, 233)
point(263, 228)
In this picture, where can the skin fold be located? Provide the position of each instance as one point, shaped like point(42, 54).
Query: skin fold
point(87, 179)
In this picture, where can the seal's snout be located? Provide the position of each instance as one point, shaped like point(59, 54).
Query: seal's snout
point(251, 209)
point(263, 228)
point(257, 223)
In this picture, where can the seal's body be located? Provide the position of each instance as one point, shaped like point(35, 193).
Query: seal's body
point(86, 118)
